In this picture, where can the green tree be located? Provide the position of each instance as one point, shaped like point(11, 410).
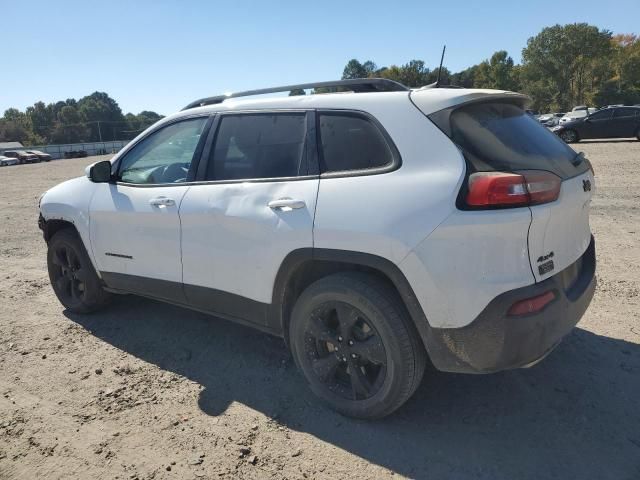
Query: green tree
point(465, 78)
point(102, 115)
point(445, 77)
point(16, 126)
point(69, 128)
point(42, 119)
point(563, 59)
point(497, 72)
point(354, 69)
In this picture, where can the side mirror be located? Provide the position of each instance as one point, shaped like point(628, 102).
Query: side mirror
point(99, 172)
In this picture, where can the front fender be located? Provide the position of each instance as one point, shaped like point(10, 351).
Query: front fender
point(69, 201)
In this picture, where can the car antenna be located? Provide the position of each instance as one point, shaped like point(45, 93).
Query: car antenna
point(437, 85)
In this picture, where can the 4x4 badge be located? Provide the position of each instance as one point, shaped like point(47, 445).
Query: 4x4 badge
point(586, 185)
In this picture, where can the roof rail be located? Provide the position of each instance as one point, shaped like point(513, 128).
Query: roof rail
point(356, 85)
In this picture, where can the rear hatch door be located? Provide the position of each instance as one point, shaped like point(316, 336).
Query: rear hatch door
point(560, 232)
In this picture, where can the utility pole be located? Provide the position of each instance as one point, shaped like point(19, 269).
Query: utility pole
point(99, 131)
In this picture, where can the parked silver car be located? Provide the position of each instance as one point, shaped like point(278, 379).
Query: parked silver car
point(5, 161)
point(550, 119)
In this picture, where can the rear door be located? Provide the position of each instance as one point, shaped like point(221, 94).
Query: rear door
point(255, 205)
point(625, 122)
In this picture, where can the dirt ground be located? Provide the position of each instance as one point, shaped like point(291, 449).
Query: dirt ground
point(146, 390)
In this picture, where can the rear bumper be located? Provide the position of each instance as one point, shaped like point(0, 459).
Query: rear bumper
point(496, 341)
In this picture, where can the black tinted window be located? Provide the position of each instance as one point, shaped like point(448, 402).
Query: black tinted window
point(351, 142)
point(626, 112)
point(501, 136)
point(601, 115)
point(258, 146)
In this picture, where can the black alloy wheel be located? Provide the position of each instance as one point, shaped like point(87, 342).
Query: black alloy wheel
point(68, 276)
point(72, 276)
point(351, 336)
point(345, 351)
point(569, 136)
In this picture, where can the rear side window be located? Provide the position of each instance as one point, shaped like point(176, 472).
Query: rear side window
point(626, 112)
point(350, 141)
point(254, 146)
point(502, 137)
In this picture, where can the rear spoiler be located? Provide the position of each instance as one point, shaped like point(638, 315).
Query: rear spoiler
point(443, 107)
point(432, 100)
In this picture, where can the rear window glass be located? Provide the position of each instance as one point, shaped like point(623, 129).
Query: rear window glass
point(251, 146)
point(502, 137)
point(350, 141)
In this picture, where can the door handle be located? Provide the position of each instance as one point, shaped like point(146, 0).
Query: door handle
point(286, 203)
point(162, 202)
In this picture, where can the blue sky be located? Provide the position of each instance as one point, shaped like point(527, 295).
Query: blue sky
point(159, 55)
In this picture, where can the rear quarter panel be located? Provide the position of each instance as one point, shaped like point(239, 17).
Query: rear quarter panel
point(389, 214)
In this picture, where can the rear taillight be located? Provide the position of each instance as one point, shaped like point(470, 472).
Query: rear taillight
point(532, 305)
point(504, 189)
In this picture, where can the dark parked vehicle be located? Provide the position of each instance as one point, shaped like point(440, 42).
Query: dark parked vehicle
point(22, 156)
point(76, 154)
point(44, 157)
point(618, 122)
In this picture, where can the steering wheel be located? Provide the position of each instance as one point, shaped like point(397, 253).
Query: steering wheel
point(174, 173)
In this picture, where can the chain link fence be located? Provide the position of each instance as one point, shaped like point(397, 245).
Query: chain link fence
point(71, 150)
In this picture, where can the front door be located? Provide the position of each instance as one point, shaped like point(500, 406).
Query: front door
point(256, 207)
point(597, 125)
point(134, 222)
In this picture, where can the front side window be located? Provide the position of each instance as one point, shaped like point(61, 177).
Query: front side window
point(351, 142)
point(165, 156)
point(258, 146)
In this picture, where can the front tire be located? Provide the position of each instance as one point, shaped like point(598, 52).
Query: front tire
point(569, 136)
point(352, 338)
point(72, 276)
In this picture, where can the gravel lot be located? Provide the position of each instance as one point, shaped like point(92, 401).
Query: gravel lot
point(146, 390)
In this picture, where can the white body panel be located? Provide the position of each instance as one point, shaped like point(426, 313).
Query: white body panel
point(124, 223)
point(471, 258)
point(561, 227)
point(389, 214)
point(234, 242)
point(69, 201)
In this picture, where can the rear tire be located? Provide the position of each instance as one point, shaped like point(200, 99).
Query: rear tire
point(72, 276)
point(569, 136)
point(638, 134)
point(352, 338)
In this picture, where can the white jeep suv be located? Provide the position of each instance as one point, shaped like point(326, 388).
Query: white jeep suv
point(371, 228)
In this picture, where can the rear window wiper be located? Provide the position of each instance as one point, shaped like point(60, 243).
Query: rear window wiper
point(578, 159)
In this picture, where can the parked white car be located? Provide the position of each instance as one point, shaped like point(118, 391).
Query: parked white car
point(4, 161)
point(369, 229)
point(550, 119)
point(571, 116)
